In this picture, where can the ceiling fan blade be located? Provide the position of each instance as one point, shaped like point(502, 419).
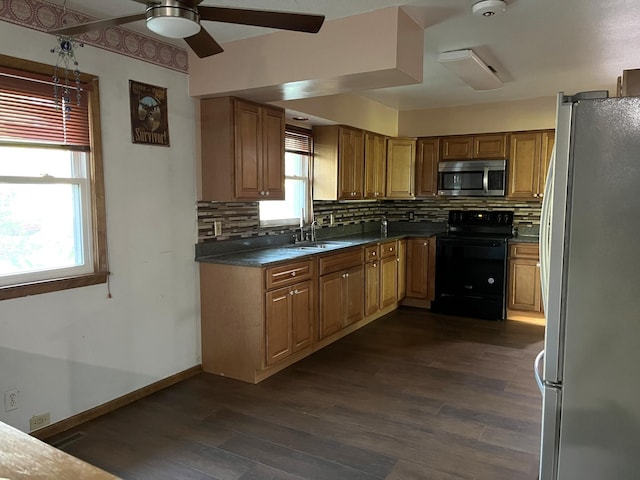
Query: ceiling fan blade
point(203, 44)
point(298, 22)
point(97, 24)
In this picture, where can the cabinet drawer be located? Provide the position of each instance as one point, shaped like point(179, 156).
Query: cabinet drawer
point(371, 253)
point(388, 249)
point(341, 261)
point(524, 250)
point(288, 274)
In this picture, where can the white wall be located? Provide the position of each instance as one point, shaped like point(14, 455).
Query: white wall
point(70, 351)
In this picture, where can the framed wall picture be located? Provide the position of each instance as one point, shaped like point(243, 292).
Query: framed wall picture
point(149, 114)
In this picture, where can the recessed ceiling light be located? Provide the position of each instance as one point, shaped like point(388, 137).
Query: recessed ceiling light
point(489, 8)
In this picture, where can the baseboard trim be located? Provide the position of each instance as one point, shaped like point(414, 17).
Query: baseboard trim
point(112, 405)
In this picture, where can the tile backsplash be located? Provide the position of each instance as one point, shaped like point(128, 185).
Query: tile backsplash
point(241, 219)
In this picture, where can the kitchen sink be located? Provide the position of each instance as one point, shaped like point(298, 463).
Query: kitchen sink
point(322, 245)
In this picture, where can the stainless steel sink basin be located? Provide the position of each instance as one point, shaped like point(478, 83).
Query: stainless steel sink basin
point(322, 245)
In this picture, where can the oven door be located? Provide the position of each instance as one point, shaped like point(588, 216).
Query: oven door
point(470, 277)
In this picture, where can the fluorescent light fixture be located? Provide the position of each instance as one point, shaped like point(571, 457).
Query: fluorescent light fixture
point(172, 22)
point(470, 69)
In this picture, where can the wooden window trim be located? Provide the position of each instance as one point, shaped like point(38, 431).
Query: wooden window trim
point(96, 176)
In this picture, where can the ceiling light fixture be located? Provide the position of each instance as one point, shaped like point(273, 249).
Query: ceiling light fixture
point(173, 21)
point(489, 8)
point(470, 69)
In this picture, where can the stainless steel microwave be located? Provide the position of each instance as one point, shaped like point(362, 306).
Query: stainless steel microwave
point(472, 178)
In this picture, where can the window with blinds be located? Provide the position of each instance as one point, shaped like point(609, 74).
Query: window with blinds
point(296, 206)
point(30, 112)
point(52, 230)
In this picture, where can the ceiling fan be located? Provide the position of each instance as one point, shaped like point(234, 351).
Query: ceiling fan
point(181, 19)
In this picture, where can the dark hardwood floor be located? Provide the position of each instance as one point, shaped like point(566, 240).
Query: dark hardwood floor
point(411, 396)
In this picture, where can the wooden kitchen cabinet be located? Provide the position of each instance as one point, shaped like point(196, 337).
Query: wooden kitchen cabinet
point(492, 146)
point(401, 155)
point(529, 159)
point(524, 291)
point(388, 274)
point(242, 150)
point(421, 255)
point(372, 279)
point(427, 158)
point(401, 258)
point(375, 165)
point(338, 166)
point(288, 321)
point(341, 286)
point(256, 321)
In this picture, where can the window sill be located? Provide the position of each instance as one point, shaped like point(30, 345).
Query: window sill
point(54, 285)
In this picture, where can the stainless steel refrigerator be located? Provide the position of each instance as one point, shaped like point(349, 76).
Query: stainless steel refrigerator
point(590, 264)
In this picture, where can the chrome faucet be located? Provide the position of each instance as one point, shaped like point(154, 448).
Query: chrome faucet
point(314, 224)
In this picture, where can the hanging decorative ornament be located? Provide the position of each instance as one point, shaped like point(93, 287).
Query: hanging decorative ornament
point(66, 65)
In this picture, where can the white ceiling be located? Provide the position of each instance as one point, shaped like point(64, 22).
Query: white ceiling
point(537, 47)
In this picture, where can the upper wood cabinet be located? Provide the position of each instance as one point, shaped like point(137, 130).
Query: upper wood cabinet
point(529, 158)
point(338, 166)
point(375, 165)
point(427, 158)
point(242, 150)
point(401, 155)
point(466, 147)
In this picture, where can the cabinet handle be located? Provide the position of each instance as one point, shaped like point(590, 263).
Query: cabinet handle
point(535, 195)
point(267, 193)
point(373, 253)
point(538, 264)
point(290, 292)
point(296, 291)
point(293, 274)
point(425, 244)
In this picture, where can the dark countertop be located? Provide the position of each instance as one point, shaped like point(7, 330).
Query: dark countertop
point(267, 255)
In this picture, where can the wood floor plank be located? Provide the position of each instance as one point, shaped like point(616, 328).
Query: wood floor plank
point(410, 396)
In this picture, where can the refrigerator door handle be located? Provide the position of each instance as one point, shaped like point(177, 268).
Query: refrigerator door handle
point(536, 370)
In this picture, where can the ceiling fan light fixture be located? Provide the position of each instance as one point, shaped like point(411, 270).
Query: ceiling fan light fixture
point(173, 22)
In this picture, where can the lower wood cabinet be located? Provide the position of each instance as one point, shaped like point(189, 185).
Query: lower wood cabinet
point(256, 321)
point(388, 274)
point(421, 269)
point(288, 320)
point(341, 286)
point(524, 290)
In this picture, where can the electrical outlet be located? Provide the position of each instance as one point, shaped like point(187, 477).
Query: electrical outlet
point(11, 400)
point(332, 219)
point(39, 421)
point(217, 228)
point(410, 216)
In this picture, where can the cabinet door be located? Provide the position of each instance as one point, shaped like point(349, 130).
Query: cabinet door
point(418, 268)
point(457, 148)
point(248, 151)
point(350, 164)
point(374, 165)
point(272, 162)
point(548, 140)
point(354, 295)
point(302, 315)
point(332, 300)
point(524, 285)
point(402, 269)
point(401, 155)
point(372, 288)
point(277, 325)
point(388, 281)
point(428, 155)
point(524, 165)
point(490, 147)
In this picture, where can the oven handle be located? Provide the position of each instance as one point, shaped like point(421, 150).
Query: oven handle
point(471, 242)
point(485, 180)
